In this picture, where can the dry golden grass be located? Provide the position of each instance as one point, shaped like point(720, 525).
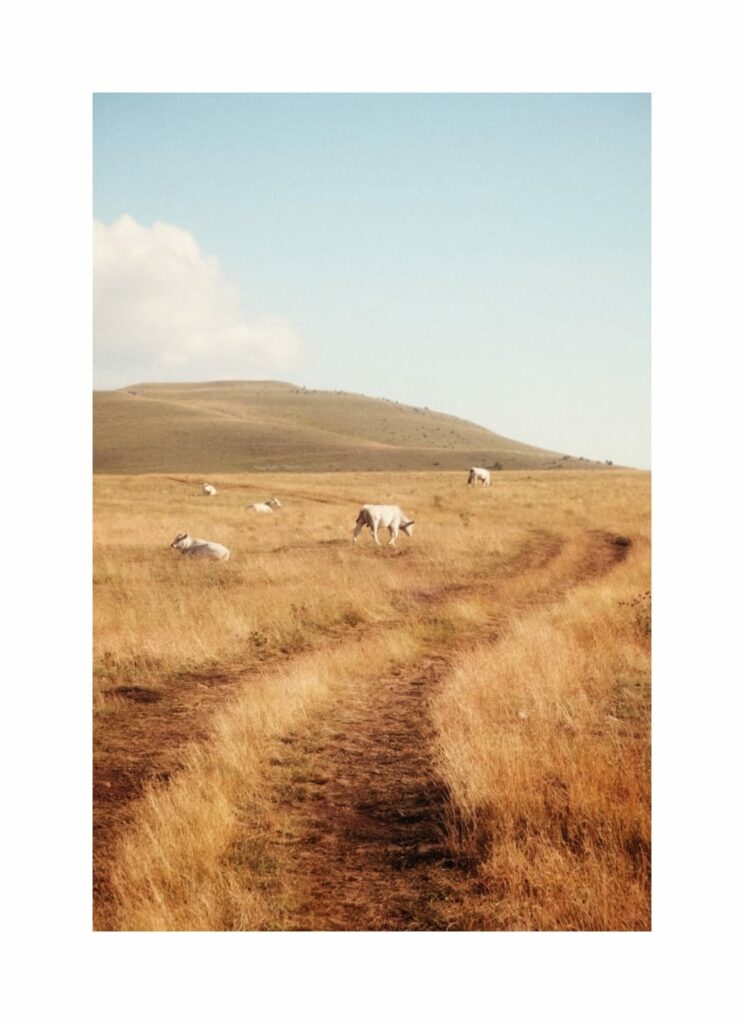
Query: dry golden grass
point(544, 741)
point(506, 583)
point(291, 575)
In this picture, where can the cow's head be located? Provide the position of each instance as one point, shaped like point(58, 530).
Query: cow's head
point(407, 528)
point(180, 538)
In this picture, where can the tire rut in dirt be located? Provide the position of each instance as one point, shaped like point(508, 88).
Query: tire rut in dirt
point(374, 853)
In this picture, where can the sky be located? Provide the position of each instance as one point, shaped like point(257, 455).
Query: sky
point(485, 255)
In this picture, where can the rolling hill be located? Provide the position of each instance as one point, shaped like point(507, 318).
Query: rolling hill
point(237, 426)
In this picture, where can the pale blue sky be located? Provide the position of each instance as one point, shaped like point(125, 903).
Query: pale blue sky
point(486, 255)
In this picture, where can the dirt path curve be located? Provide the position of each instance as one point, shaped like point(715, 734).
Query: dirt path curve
point(371, 848)
point(139, 743)
point(375, 783)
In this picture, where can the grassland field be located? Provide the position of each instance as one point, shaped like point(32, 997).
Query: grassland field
point(453, 734)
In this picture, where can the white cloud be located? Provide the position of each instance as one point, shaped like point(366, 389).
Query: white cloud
point(163, 310)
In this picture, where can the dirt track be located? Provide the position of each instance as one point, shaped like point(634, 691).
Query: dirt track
point(370, 848)
point(373, 851)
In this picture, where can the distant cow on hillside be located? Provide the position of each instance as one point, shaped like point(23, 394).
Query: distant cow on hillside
point(266, 506)
point(208, 489)
point(388, 517)
point(478, 473)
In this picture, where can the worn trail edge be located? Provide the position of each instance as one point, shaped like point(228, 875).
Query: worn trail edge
point(372, 846)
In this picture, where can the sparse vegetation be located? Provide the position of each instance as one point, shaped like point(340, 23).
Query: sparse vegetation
point(485, 686)
point(237, 426)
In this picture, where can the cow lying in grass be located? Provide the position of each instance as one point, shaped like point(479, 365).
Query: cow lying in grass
point(196, 548)
point(266, 506)
point(388, 517)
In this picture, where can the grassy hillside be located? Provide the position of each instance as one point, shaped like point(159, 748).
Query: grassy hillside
point(233, 426)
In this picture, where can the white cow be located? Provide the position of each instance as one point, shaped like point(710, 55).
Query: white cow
point(388, 517)
point(208, 489)
point(195, 548)
point(478, 473)
point(266, 506)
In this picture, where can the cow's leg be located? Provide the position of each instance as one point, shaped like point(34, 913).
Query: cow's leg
point(374, 534)
point(393, 536)
point(357, 531)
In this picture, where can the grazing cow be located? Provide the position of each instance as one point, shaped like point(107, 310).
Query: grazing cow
point(388, 517)
point(195, 548)
point(266, 506)
point(208, 489)
point(478, 473)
